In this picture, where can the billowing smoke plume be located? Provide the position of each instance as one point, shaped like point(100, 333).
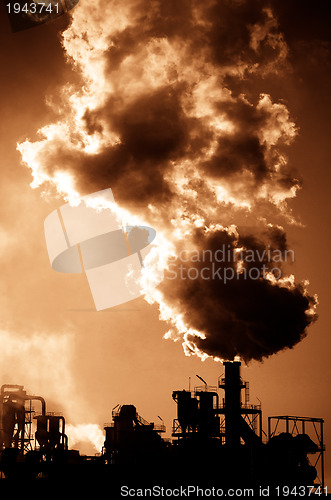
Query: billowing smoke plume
point(159, 119)
point(237, 298)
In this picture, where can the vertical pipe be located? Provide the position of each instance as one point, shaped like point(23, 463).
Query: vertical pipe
point(232, 387)
point(322, 454)
point(269, 428)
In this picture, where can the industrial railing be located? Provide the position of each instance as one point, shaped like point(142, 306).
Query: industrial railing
point(159, 428)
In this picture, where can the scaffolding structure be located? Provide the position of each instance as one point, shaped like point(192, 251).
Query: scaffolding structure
point(313, 427)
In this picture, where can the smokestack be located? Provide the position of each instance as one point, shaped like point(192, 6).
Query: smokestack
point(232, 385)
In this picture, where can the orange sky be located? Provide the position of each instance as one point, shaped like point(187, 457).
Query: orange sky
point(85, 362)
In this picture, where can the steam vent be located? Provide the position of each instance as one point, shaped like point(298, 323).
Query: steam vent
point(217, 435)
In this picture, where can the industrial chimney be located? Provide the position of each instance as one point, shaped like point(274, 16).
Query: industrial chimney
point(232, 385)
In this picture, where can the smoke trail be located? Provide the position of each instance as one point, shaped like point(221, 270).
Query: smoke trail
point(159, 120)
point(87, 433)
point(42, 362)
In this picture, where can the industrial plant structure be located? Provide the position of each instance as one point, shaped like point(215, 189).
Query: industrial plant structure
point(218, 439)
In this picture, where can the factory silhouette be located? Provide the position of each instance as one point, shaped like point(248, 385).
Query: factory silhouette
point(215, 438)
